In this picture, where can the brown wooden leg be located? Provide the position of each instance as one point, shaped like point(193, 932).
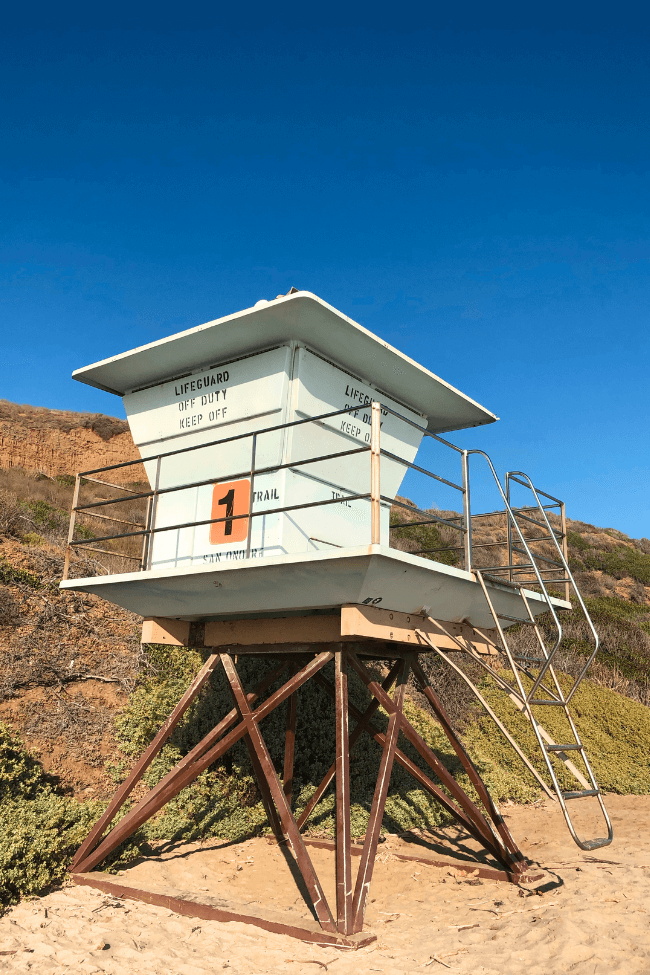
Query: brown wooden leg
point(144, 762)
point(364, 724)
point(343, 838)
point(366, 867)
point(303, 859)
point(354, 737)
point(183, 775)
point(470, 809)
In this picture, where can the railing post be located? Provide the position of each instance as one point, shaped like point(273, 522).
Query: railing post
point(375, 469)
point(154, 508)
point(251, 495)
point(71, 527)
point(565, 550)
point(509, 527)
point(145, 538)
point(467, 513)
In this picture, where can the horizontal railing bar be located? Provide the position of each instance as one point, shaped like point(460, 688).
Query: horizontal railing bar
point(216, 443)
point(434, 436)
point(411, 423)
point(409, 507)
point(102, 504)
point(433, 551)
point(544, 558)
point(216, 521)
point(121, 521)
point(539, 524)
point(426, 433)
point(118, 487)
point(231, 477)
point(422, 470)
point(502, 511)
point(103, 551)
point(525, 484)
point(415, 524)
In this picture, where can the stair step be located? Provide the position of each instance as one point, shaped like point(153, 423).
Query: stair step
point(581, 795)
point(563, 748)
point(557, 704)
point(512, 619)
point(531, 660)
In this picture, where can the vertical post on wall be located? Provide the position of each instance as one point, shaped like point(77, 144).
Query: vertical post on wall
point(251, 495)
point(467, 513)
point(375, 469)
point(565, 548)
point(71, 527)
point(154, 508)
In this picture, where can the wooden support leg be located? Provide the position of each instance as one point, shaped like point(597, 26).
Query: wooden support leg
point(343, 838)
point(184, 774)
point(354, 737)
point(364, 875)
point(364, 724)
point(469, 766)
point(303, 859)
point(470, 809)
point(144, 762)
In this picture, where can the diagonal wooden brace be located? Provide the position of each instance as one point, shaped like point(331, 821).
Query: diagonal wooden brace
point(354, 737)
point(519, 862)
point(144, 762)
point(303, 859)
point(184, 774)
point(364, 724)
point(488, 838)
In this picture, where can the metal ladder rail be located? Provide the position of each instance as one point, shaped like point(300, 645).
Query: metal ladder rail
point(569, 575)
point(548, 749)
point(540, 581)
point(529, 698)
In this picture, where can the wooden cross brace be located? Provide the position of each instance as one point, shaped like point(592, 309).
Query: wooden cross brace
point(243, 721)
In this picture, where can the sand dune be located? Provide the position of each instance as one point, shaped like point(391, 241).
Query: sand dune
point(588, 915)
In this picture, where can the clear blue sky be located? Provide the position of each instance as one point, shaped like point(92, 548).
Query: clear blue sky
point(478, 196)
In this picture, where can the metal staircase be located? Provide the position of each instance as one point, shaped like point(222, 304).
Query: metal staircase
point(536, 684)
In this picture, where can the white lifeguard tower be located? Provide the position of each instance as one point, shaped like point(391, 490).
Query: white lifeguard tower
point(275, 441)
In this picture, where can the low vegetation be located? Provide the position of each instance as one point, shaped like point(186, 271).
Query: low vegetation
point(40, 827)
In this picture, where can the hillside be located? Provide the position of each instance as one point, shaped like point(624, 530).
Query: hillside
point(84, 698)
point(59, 442)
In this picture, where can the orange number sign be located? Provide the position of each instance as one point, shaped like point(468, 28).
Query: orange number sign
point(228, 501)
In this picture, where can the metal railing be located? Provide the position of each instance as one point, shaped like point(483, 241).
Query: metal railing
point(465, 524)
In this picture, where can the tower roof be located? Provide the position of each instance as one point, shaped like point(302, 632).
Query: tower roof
point(305, 318)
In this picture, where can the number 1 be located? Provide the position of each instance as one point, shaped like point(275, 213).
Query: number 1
point(229, 501)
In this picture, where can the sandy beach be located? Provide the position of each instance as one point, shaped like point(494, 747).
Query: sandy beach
point(588, 914)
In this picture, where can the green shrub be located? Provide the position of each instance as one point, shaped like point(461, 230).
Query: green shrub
point(44, 514)
point(10, 574)
point(33, 538)
point(39, 827)
point(623, 562)
point(614, 730)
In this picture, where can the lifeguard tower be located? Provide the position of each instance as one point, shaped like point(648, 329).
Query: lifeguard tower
point(274, 443)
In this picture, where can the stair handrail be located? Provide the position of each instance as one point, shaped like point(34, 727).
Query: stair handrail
point(579, 678)
point(550, 655)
